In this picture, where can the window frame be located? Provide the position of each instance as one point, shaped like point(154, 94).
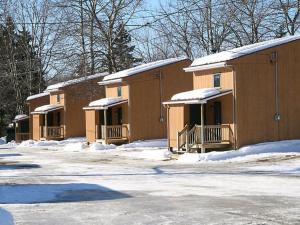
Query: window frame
point(119, 91)
point(58, 98)
point(214, 80)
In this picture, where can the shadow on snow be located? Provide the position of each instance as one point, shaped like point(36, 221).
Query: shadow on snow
point(13, 166)
point(56, 193)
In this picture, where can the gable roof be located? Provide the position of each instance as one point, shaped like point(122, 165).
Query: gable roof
point(57, 86)
point(143, 68)
point(221, 57)
point(31, 97)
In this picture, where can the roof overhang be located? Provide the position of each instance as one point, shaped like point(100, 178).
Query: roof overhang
point(198, 101)
point(206, 67)
point(47, 108)
point(105, 106)
point(20, 118)
point(114, 81)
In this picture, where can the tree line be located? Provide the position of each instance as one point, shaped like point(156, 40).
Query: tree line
point(45, 41)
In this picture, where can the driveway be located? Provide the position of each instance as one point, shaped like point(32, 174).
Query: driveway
point(68, 188)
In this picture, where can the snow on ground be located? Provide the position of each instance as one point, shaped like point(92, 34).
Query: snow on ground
point(70, 144)
point(246, 153)
point(5, 217)
point(156, 143)
point(98, 146)
point(149, 154)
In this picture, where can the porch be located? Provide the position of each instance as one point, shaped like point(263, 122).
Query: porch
point(201, 120)
point(21, 128)
point(107, 122)
point(50, 122)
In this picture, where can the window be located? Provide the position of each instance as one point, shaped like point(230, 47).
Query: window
point(119, 91)
point(217, 80)
point(58, 98)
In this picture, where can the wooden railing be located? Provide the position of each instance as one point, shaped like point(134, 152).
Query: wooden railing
point(53, 132)
point(182, 137)
point(22, 137)
point(114, 132)
point(212, 134)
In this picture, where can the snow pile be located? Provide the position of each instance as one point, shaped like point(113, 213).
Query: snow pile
point(47, 108)
point(5, 217)
point(75, 147)
point(37, 96)
point(156, 143)
point(263, 149)
point(2, 140)
point(32, 143)
point(106, 101)
point(75, 81)
point(143, 68)
point(70, 144)
point(241, 51)
point(196, 94)
point(98, 146)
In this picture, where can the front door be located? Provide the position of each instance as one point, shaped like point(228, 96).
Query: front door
point(195, 115)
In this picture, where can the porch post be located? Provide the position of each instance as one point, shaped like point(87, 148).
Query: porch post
point(202, 129)
point(105, 124)
point(46, 126)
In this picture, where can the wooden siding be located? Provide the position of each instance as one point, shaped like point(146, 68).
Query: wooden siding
point(178, 117)
point(36, 121)
point(32, 105)
point(112, 90)
point(91, 121)
point(75, 98)
point(255, 95)
point(53, 98)
point(205, 79)
point(145, 101)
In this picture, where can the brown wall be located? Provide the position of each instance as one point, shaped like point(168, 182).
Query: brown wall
point(145, 105)
point(76, 97)
point(91, 122)
point(255, 95)
point(36, 121)
point(32, 105)
point(53, 98)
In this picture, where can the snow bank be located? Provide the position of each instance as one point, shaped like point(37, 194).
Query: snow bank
point(156, 143)
point(75, 147)
point(5, 217)
point(263, 148)
point(196, 94)
point(70, 144)
point(99, 146)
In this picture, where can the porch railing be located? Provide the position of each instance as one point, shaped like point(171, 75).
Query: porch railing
point(182, 137)
point(53, 132)
point(114, 132)
point(212, 134)
point(22, 137)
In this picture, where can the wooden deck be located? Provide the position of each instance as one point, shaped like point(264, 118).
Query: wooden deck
point(208, 137)
point(52, 132)
point(113, 134)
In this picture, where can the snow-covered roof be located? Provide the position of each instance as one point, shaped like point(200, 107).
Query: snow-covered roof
point(238, 52)
point(47, 108)
point(142, 68)
point(106, 102)
point(20, 117)
point(197, 96)
point(31, 97)
point(57, 86)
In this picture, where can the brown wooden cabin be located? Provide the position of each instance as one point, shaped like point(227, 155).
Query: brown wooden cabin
point(63, 117)
point(33, 102)
point(21, 124)
point(132, 109)
point(257, 100)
